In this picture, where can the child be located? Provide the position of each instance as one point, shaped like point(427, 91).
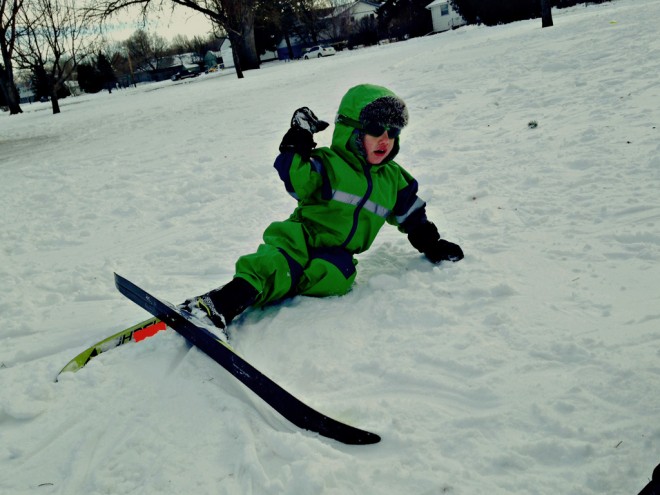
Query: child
point(345, 194)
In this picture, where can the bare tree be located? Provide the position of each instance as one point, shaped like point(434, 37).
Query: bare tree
point(341, 21)
point(56, 37)
point(238, 22)
point(181, 44)
point(313, 16)
point(234, 17)
point(9, 13)
point(146, 50)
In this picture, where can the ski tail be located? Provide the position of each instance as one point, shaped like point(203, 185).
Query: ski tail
point(135, 333)
point(291, 408)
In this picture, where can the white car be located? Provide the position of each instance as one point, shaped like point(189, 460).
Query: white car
point(318, 52)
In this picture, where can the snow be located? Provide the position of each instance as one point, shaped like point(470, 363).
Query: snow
point(530, 367)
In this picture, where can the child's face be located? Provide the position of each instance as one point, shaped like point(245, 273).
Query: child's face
point(377, 147)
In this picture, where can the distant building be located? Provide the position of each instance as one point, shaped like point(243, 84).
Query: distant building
point(212, 58)
point(339, 21)
point(227, 55)
point(444, 16)
point(357, 10)
point(25, 93)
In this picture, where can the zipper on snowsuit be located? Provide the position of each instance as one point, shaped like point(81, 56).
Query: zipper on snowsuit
point(356, 214)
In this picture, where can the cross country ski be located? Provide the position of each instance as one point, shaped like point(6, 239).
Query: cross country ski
point(294, 410)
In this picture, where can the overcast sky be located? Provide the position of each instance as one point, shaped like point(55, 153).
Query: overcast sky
point(167, 24)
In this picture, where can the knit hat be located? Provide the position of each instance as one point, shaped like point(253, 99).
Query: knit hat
point(387, 111)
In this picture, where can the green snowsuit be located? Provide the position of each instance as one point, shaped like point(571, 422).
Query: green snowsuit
point(342, 203)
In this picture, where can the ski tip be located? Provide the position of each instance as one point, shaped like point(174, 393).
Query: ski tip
point(354, 436)
point(369, 439)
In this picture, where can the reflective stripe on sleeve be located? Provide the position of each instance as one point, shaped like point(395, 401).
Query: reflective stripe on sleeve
point(416, 206)
point(353, 199)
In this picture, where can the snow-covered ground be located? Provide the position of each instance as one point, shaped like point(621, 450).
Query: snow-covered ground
point(530, 367)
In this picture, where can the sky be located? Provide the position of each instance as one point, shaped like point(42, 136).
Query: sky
point(168, 24)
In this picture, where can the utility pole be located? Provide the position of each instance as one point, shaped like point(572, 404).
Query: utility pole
point(130, 67)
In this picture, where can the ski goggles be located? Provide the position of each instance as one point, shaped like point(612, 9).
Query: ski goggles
point(371, 128)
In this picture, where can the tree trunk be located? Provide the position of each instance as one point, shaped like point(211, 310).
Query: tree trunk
point(236, 56)
point(246, 47)
point(546, 14)
point(55, 102)
point(12, 98)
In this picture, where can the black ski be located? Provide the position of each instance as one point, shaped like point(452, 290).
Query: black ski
point(294, 410)
point(653, 487)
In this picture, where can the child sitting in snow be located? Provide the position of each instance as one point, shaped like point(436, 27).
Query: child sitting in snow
point(345, 194)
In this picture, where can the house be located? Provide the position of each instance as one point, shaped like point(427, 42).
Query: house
point(227, 55)
point(212, 58)
point(339, 23)
point(444, 16)
point(25, 92)
point(358, 10)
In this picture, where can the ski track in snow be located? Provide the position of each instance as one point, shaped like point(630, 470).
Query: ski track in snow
point(530, 367)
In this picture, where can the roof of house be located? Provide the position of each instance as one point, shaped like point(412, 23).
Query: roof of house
point(436, 2)
point(347, 6)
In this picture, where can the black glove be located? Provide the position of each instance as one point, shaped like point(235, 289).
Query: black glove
point(426, 239)
point(444, 251)
point(298, 138)
point(304, 118)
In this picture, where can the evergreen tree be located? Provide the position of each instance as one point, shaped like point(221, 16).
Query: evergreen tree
point(268, 25)
point(405, 18)
point(365, 33)
point(106, 72)
point(40, 84)
point(92, 78)
point(500, 12)
point(89, 78)
point(492, 12)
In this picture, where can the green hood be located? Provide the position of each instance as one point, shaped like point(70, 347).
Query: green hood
point(345, 137)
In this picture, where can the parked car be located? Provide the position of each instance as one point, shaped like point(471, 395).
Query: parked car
point(318, 52)
point(184, 74)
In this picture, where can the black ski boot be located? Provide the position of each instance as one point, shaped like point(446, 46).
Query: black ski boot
point(224, 304)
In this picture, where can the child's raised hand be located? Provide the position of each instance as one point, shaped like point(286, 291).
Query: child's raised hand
point(298, 138)
point(304, 118)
